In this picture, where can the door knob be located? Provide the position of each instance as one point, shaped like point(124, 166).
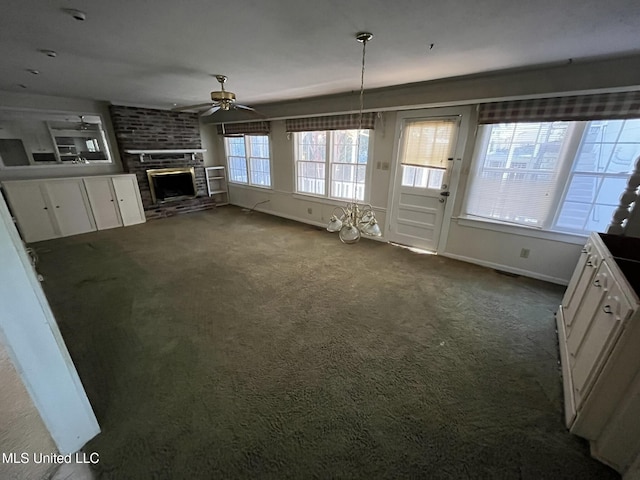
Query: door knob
point(445, 194)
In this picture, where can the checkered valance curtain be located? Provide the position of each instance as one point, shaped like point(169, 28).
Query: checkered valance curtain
point(246, 128)
point(332, 122)
point(580, 107)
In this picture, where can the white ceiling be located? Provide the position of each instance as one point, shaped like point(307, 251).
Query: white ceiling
point(160, 52)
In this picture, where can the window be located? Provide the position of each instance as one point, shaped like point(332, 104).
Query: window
point(332, 160)
point(248, 160)
point(425, 151)
point(560, 176)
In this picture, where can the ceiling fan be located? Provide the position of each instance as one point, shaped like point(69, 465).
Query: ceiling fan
point(84, 125)
point(220, 100)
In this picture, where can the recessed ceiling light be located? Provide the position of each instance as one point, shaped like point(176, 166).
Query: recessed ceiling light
point(33, 72)
point(75, 13)
point(49, 53)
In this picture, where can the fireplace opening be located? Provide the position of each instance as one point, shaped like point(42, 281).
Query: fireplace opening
point(170, 184)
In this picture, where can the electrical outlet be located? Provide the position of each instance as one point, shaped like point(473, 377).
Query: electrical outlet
point(310, 211)
point(524, 253)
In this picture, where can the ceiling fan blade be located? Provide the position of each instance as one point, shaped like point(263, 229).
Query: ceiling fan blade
point(252, 110)
point(243, 107)
point(192, 107)
point(211, 111)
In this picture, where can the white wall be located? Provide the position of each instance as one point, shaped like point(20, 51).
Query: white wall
point(67, 105)
point(551, 258)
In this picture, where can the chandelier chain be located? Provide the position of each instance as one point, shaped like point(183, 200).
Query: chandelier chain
point(364, 50)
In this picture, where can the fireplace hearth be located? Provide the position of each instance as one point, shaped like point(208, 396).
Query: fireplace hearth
point(172, 184)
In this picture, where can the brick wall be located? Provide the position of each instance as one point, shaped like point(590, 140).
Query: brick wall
point(144, 128)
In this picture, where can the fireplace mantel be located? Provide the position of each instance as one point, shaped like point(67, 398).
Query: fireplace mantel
point(182, 151)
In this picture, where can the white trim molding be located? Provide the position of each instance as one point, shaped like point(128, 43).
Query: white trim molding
point(506, 268)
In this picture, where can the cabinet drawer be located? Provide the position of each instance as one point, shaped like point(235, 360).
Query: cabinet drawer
point(588, 351)
point(595, 288)
point(587, 266)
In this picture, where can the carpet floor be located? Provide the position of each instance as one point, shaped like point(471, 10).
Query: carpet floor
point(227, 345)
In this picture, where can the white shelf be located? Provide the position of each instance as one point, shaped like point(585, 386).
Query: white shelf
point(217, 184)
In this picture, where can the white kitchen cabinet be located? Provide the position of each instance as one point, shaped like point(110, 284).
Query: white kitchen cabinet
point(115, 200)
point(30, 205)
point(102, 198)
point(51, 208)
point(585, 270)
point(70, 206)
point(599, 334)
point(128, 196)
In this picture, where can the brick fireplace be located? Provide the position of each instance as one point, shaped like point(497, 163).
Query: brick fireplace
point(149, 129)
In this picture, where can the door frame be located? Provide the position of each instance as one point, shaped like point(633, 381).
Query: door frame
point(464, 112)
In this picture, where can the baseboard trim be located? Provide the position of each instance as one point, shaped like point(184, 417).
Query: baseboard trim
point(507, 268)
point(298, 219)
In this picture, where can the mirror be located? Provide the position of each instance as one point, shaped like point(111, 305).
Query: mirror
point(29, 138)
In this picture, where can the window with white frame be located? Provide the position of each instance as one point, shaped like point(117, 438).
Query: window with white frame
point(558, 176)
point(248, 160)
point(426, 147)
point(332, 163)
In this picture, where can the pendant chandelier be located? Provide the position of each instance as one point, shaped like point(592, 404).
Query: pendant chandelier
point(355, 220)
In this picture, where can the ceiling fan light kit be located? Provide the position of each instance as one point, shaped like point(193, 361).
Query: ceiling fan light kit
point(224, 98)
point(220, 100)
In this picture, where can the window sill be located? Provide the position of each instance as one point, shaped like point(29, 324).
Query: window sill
point(331, 201)
point(520, 230)
point(246, 185)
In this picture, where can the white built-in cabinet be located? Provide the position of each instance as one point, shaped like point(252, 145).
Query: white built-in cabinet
point(115, 201)
point(51, 208)
point(599, 336)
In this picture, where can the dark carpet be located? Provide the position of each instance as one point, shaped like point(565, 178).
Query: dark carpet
point(229, 345)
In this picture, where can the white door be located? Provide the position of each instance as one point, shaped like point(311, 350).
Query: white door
point(70, 206)
point(103, 202)
point(128, 196)
point(427, 149)
point(31, 209)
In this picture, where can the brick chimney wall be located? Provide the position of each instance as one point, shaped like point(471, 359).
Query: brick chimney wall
point(145, 128)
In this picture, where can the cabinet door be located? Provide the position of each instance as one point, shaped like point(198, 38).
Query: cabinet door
point(70, 206)
point(580, 283)
point(33, 213)
point(128, 196)
point(590, 350)
point(102, 198)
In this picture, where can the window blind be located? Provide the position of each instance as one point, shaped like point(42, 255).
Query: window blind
point(244, 128)
point(332, 122)
point(427, 143)
point(579, 107)
point(517, 173)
